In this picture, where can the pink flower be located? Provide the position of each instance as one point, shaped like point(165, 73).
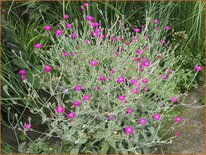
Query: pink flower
point(23, 77)
point(48, 28)
point(76, 103)
point(135, 90)
point(68, 25)
point(129, 130)
point(147, 37)
point(145, 80)
point(147, 48)
point(127, 43)
point(121, 97)
point(177, 134)
point(74, 54)
point(94, 63)
point(95, 24)
point(74, 35)
point(71, 115)
point(88, 42)
point(102, 36)
point(78, 88)
point(121, 38)
point(164, 76)
point(143, 121)
point(66, 54)
point(158, 28)
point(111, 117)
point(133, 81)
point(59, 32)
point(178, 119)
point(22, 72)
point(102, 78)
point(156, 117)
point(170, 70)
point(198, 68)
point(60, 109)
point(121, 79)
point(146, 64)
point(86, 97)
point(27, 126)
point(136, 30)
point(90, 18)
point(95, 34)
point(47, 68)
point(86, 4)
point(97, 30)
point(167, 28)
point(155, 21)
point(98, 88)
point(112, 71)
point(66, 16)
point(130, 110)
point(114, 38)
point(146, 88)
point(38, 45)
point(174, 99)
point(139, 52)
point(134, 39)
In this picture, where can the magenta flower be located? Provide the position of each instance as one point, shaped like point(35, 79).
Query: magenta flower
point(47, 68)
point(198, 68)
point(112, 71)
point(86, 4)
point(74, 54)
point(129, 130)
point(136, 30)
point(98, 88)
point(146, 88)
point(74, 35)
point(114, 38)
point(27, 126)
point(167, 28)
point(95, 34)
point(156, 117)
point(127, 43)
point(86, 97)
point(121, 79)
point(155, 21)
point(146, 64)
point(48, 28)
point(23, 77)
point(135, 90)
point(121, 97)
point(121, 38)
point(102, 36)
point(102, 78)
point(66, 54)
point(130, 110)
point(78, 88)
point(59, 32)
point(66, 16)
point(133, 81)
point(139, 52)
point(177, 134)
point(60, 109)
point(94, 63)
point(174, 99)
point(71, 115)
point(111, 117)
point(76, 103)
point(68, 25)
point(178, 119)
point(97, 30)
point(22, 72)
point(145, 80)
point(38, 45)
point(90, 18)
point(134, 39)
point(143, 121)
point(95, 24)
point(164, 76)
point(88, 42)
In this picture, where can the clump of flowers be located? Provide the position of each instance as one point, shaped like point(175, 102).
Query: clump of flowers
point(108, 87)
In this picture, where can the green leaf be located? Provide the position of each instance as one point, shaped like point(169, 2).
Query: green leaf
point(21, 147)
point(104, 148)
point(20, 63)
point(74, 150)
point(22, 137)
point(112, 142)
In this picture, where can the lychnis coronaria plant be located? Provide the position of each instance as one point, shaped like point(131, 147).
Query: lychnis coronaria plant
point(103, 89)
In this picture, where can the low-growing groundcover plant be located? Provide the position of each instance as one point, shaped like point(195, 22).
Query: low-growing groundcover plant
point(98, 89)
